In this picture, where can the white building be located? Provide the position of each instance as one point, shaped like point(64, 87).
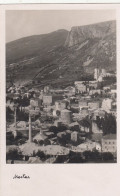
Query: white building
point(96, 73)
point(89, 146)
point(47, 99)
point(107, 104)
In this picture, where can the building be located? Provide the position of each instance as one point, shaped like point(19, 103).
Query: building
point(84, 111)
point(74, 126)
point(106, 88)
point(100, 78)
point(46, 89)
point(60, 105)
point(109, 143)
point(94, 91)
point(74, 136)
point(41, 95)
point(47, 100)
point(79, 82)
point(39, 137)
point(103, 72)
point(94, 104)
point(84, 129)
point(89, 146)
point(70, 91)
point(66, 116)
point(96, 73)
point(93, 84)
point(113, 112)
point(54, 113)
point(58, 123)
point(95, 128)
point(83, 103)
point(107, 104)
point(35, 102)
point(81, 88)
point(98, 113)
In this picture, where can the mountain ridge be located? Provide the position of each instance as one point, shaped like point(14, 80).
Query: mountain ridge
point(54, 58)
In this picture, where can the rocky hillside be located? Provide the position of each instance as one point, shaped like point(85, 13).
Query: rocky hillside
point(79, 35)
point(61, 57)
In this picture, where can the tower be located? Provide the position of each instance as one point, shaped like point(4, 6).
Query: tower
point(30, 128)
point(15, 121)
point(96, 73)
point(103, 72)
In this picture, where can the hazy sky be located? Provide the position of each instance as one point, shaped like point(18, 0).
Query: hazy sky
point(25, 23)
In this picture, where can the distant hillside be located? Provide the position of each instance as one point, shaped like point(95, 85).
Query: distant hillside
point(35, 45)
point(62, 57)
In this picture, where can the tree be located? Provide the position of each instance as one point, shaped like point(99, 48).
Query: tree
point(22, 116)
point(41, 154)
point(13, 154)
point(75, 158)
point(92, 155)
point(54, 129)
point(107, 124)
point(107, 156)
point(9, 113)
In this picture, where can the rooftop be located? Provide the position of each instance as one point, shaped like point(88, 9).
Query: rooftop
point(110, 137)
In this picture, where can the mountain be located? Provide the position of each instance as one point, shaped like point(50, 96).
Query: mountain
point(36, 45)
point(94, 31)
point(61, 57)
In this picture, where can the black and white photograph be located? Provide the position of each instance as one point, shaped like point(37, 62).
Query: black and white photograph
point(61, 86)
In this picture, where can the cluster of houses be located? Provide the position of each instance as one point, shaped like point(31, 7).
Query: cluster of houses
point(66, 118)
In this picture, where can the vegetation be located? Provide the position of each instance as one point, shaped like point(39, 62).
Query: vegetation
point(9, 114)
point(41, 154)
point(13, 154)
point(108, 124)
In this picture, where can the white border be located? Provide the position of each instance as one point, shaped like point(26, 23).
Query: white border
point(59, 179)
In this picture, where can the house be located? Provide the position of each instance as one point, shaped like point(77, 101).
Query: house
point(83, 103)
point(98, 113)
point(60, 105)
point(109, 143)
point(107, 104)
point(46, 89)
point(93, 84)
point(39, 137)
point(74, 125)
point(88, 146)
point(35, 102)
point(74, 136)
point(94, 104)
point(81, 88)
point(47, 99)
point(22, 124)
point(84, 129)
point(84, 111)
point(95, 91)
point(113, 112)
point(95, 128)
point(70, 91)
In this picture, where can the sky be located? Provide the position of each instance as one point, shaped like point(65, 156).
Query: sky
point(23, 23)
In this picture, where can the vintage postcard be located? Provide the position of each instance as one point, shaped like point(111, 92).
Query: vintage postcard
point(59, 98)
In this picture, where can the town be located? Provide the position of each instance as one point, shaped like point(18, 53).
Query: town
point(75, 124)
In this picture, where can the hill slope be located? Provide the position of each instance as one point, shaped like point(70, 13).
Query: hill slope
point(62, 57)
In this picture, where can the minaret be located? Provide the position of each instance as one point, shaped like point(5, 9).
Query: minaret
point(15, 126)
point(30, 128)
point(15, 118)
